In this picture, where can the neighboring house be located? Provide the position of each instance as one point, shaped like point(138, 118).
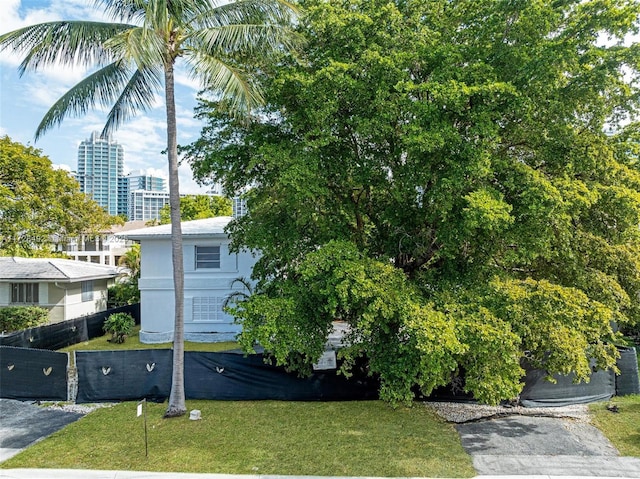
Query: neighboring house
point(68, 289)
point(209, 274)
point(104, 248)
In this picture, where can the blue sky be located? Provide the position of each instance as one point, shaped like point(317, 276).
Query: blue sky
point(24, 101)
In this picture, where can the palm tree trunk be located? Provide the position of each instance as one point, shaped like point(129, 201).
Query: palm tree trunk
point(177, 405)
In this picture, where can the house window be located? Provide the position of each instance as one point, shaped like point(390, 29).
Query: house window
point(26, 293)
point(208, 309)
point(207, 257)
point(87, 290)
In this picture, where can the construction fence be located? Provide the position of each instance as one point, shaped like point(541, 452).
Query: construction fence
point(106, 376)
point(66, 333)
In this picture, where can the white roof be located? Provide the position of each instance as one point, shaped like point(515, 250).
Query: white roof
point(52, 269)
point(205, 227)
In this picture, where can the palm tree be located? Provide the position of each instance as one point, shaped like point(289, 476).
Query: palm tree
point(131, 261)
point(133, 57)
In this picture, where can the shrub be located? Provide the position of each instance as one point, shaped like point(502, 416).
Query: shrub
point(122, 294)
point(16, 318)
point(120, 326)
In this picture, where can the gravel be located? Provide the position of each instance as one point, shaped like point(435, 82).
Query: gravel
point(455, 412)
point(77, 408)
point(460, 413)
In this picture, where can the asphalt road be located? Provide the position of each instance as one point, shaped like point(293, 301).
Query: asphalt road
point(24, 423)
point(543, 446)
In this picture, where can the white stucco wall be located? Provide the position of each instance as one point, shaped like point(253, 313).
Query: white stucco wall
point(204, 290)
point(156, 291)
point(55, 301)
point(5, 294)
point(75, 307)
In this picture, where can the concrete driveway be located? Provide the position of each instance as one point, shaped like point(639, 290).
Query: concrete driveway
point(543, 446)
point(23, 424)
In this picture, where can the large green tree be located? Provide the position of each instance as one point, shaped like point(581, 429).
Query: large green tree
point(442, 176)
point(134, 57)
point(197, 207)
point(38, 202)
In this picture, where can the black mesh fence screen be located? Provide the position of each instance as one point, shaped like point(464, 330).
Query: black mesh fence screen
point(229, 376)
point(123, 375)
point(33, 374)
point(28, 374)
point(66, 333)
point(627, 382)
point(133, 375)
point(539, 392)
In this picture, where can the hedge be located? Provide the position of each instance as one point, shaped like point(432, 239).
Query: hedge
point(16, 318)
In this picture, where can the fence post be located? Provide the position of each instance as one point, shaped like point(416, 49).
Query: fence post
point(72, 377)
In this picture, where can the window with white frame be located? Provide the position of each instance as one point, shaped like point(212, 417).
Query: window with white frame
point(87, 290)
point(25, 293)
point(207, 257)
point(208, 309)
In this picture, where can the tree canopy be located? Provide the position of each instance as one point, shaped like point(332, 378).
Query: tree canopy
point(458, 181)
point(197, 207)
point(37, 202)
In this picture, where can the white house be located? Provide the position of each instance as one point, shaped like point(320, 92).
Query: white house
point(209, 274)
point(68, 289)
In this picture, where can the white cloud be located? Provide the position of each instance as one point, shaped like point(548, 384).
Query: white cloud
point(156, 172)
point(183, 78)
point(43, 90)
point(10, 19)
point(186, 121)
point(20, 13)
point(144, 140)
point(187, 183)
point(62, 167)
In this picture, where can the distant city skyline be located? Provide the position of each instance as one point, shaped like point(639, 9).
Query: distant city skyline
point(24, 101)
point(136, 195)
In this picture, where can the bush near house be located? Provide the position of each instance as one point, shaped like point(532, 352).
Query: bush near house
point(120, 325)
point(122, 294)
point(15, 318)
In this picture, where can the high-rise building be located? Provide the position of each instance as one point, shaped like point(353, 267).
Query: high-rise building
point(145, 205)
point(238, 206)
point(146, 195)
point(139, 180)
point(100, 168)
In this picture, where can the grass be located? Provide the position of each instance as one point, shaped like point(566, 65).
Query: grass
point(133, 342)
point(621, 428)
point(357, 438)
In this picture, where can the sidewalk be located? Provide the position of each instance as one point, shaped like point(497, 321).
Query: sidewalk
point(86, 474)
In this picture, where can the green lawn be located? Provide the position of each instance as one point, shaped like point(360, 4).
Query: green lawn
point(621, 428)
point(133, 342)
point(357, 438)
